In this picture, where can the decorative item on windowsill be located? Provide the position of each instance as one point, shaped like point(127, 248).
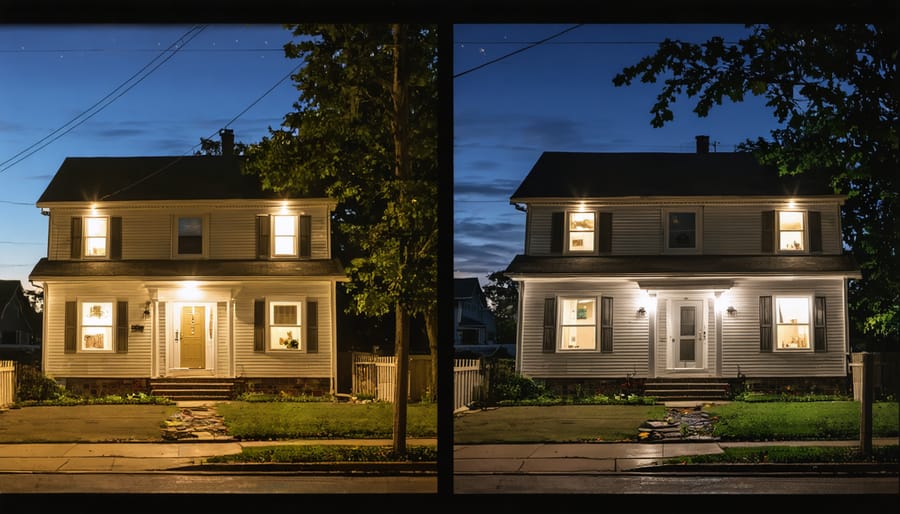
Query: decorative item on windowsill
point(289, 341)
point(731, 310)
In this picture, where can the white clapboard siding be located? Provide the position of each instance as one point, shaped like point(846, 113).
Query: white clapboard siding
point(630, 333)
point(135, 363)
point(274, 364)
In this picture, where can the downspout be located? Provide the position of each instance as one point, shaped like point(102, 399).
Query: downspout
point(519, 344)
point(334, 339)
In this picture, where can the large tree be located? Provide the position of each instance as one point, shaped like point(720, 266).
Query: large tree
point(833, 91)
point(502, 295)
point(364, 132)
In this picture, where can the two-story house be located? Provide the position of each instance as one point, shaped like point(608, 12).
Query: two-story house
point(657, 266)
point(162, 269)
point(473, 320)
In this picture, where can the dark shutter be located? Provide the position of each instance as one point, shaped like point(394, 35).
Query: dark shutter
point(75, 238)
point(768, 232)
point(121, 327)
point(557, 231)
point(259, 325)
point(605, 227)
point(815, 231)
point(262, 237)
point(606, 324)
point(765, 323)
point(312, 326)
point(115, 237)
point(821, 344)
point(305, 232)
point(549, 325)
point(71, 327)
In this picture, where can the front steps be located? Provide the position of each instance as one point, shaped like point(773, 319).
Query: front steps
point(686, 389)
point(192, 389)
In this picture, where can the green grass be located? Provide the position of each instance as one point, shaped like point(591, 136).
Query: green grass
point(793, 454)
point(281, 454)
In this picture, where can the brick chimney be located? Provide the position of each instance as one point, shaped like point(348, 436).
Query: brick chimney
point(702, 144)
point(227, 136)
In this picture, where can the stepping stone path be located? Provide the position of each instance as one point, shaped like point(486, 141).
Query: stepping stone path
point(195, 423)
point(681, 424)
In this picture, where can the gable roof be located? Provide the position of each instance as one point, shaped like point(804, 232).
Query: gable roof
point(596, 175)
point(205, 177)
point(465, 288)
point(8, 289)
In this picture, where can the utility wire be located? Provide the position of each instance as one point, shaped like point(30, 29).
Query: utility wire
point(470, 70)
point(87, 114)
point(193, 148)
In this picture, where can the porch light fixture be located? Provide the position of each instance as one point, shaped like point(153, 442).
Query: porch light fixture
point(731, 310)
point(147, 310)
point(642, 312)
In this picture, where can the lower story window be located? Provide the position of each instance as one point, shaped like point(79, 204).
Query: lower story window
point(579, 324)
point(284, 325)
point(96, 326)
point(792, 323)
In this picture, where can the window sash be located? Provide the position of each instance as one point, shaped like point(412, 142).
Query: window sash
point(581, 229)
point(682, 230)
point(285, 325)
point(190, 235)
point(792, 323)
point(578, 325)
point(96, 236)
point(791, 231)
point(96, 326)
point(284, 236)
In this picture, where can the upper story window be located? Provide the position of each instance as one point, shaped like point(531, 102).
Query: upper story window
point(284, 236)
point(96, 236)
point(682, 230)
point(581, 231)
point(791, 231)
point(190, 236)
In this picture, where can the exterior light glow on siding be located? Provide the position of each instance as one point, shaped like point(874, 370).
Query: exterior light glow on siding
point(189, 291)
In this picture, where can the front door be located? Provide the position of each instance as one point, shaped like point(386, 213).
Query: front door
point(687, 338)
point(193, 336)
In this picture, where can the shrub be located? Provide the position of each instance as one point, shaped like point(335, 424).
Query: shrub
point(32, 385)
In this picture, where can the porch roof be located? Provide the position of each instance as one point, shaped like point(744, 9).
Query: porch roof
point(193, 269)
point(685, 265)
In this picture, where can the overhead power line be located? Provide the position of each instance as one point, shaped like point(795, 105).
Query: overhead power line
point(520, 50)
point(95, 109)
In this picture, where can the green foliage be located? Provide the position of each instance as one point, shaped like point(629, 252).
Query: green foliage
point(328, 453)
point(32, 385)
point(503, 300)
point(282, 397)
point(832, 89)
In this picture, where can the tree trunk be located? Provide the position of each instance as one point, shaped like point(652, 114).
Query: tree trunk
point(401, 381)
point(431, 328)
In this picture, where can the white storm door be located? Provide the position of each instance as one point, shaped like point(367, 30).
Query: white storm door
point(687, 339)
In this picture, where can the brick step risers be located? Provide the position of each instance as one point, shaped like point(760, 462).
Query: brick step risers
point(192, 390)
point(687, 390)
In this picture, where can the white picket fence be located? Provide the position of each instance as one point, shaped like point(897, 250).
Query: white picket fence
point(468, 380)
point(7, 383)
point(375, 376)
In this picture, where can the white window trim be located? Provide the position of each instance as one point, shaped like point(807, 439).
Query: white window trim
point(805, 236)
point(79, 342)
point(85, 237)
point(698, 230)
point(811, 329)
point(273, 236)
point(301, 338)
point(560, 306)
point(205, 237)
point(567, 235)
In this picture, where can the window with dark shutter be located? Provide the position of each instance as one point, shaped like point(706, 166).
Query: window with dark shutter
point(71, 323)
point(765, 323)
point(768, 232)
point(121, 327)
point(312, 326)
point(75, 238)
point(606, 324)
point(549, 338)
point(605, 226)
point(262, 237)
point(259, 325)
point(115, 237)
point(820, 341)
point(815, 231)
point(557, 231)
point(305, 229)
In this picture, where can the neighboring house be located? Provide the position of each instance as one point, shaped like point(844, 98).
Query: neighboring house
point(164, 268)
point(674, 265)
point(17, 318)
point(473, 320)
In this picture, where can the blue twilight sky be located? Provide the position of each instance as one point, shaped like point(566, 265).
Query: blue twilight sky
point(559, 96)
point(123, 90)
